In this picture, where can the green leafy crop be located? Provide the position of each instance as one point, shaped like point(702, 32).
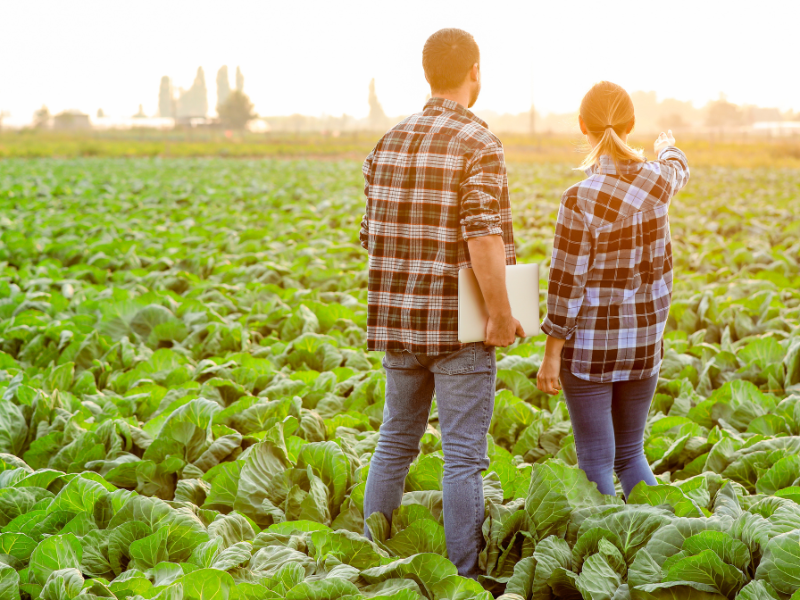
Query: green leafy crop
point(187, 410)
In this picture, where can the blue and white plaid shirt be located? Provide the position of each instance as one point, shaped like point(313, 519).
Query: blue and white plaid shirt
point(611, 271)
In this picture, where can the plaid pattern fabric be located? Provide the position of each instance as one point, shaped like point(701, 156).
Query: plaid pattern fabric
point(611, 271)
point(433, 182)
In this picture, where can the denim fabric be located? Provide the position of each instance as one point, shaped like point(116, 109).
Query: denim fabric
point(464, 382)
point(608, 421)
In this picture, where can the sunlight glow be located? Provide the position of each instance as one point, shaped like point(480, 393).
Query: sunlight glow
point(316, 57)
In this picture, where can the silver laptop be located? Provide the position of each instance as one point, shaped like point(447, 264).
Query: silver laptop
point(522, 284)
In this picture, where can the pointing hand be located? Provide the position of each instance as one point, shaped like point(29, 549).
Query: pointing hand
point(664, 140)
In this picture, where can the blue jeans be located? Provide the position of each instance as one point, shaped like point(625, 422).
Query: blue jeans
point(464, 382)
point(608, 421)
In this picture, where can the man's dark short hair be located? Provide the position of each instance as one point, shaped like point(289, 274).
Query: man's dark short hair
point(447, 57)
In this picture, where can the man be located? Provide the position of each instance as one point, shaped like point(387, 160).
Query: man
point(437, 201)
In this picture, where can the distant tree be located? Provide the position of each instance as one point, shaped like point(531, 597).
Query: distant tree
point(165, 98)
point(646, 104)
point(377, 117)
point(237, 110)
point(223, 86)
point(239, 80)
point(194, 101)
point(41, 117)
point(754, 114)
point(100, 113)
point(723, 114)
point(140, 114)
point(673, 121)
point(297, 122)
point(670, 109)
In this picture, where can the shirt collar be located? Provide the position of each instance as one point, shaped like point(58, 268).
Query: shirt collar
point(606, 166)
point(454, 106)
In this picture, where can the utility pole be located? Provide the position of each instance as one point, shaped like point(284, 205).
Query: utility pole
point(532, 124)
point(532, 115)
point(532, 121)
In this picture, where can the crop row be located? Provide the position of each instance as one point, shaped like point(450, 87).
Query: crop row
point(188, 412)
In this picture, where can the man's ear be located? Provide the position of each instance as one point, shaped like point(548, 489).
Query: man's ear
point(631, 125)
point(584, 130)
point(474, 72)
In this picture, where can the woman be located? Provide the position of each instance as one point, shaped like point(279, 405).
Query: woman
point(610, 289)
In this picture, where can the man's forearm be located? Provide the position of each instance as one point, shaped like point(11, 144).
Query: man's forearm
point(488, 256)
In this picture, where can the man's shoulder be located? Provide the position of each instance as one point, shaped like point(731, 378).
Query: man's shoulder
point(470, 133)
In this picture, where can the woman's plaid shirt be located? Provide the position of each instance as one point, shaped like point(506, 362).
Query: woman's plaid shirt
point(433, 182)
point(611, 272)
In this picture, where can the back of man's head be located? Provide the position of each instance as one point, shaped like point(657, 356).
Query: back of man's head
point(447, 57)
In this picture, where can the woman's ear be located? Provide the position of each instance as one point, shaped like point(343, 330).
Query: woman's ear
point(584, 130)
point(631, 125)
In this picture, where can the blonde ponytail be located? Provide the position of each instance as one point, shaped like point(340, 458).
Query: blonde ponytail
point(607, 110)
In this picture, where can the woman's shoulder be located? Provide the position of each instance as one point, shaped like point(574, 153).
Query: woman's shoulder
point(569, 198)
point(572, 196)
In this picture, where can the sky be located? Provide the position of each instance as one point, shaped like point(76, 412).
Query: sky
point(317, 57)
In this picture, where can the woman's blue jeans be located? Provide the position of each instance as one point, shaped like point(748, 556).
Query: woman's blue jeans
point(464, 382)
point(608, 421)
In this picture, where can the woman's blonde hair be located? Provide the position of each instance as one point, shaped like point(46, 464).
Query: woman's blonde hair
point(607, 110)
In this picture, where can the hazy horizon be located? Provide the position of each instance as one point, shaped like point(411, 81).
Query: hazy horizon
point(317, 58)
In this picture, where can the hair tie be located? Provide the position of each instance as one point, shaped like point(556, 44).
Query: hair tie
point(607, 126)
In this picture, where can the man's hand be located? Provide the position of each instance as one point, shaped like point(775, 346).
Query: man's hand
point(488, 257)
point(502, 331)
point(664, 140)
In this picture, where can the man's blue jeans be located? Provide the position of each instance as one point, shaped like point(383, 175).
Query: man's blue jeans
point(608, 421)
point(464, 382)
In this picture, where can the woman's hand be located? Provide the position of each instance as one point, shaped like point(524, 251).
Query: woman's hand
point(547, 378)
point(663, 141)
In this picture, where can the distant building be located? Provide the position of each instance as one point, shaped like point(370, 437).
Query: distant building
point(194, 101)
point(776, 128)
point(155, 123)
point(196, 123)
point(71, 119)
point(757, 114)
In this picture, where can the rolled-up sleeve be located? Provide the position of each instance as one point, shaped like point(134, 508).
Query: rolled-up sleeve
point(363, 233)
point(674, 168)
point(480, 193)
point(569, 270)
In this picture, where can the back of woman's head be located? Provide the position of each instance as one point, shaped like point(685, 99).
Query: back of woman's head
point(607, 113)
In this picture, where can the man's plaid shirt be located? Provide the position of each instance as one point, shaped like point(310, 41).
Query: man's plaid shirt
point(611, 272)
point(433, 182)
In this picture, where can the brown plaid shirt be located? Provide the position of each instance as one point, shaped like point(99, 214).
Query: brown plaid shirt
point(611, 272)
point(433, 182)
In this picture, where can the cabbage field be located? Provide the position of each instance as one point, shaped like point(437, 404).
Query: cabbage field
point(188, 412)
